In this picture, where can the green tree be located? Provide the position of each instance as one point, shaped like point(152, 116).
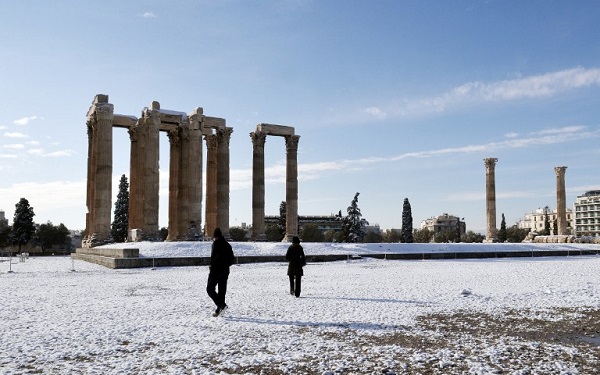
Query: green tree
point(238, 234)
point(502, 231)
point(120, 225)
point(311, 233)
point(4, 233)
point(472, 237)
point(23, 227)
point(373, 237)
point(273, 233)
point(546, 222)
point(163, 233)
point(392, 235)
point(281, 223)
point(422, 235)
point(407, 223)
point(515, 234)
point(352, 223)
point(446, 236)
point(48, 235)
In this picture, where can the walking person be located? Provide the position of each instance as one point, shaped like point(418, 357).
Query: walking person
point(297, 260)
point(221, 258)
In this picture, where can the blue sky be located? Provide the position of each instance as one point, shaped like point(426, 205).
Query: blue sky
point(392, 99)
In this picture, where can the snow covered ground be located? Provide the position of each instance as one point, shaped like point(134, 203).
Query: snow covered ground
point(363, 316)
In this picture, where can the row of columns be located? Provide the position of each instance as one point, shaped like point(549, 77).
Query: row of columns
point(185, 172)
point(490, 200)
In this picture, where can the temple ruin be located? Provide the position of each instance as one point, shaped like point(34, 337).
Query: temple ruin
point(185, 133)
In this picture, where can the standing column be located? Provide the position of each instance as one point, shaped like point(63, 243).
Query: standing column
point(194, 174)
point(490, 199)
point(291, 186)
point(151, 179)
point(258, 186)
point(174, 153)
point(211, 185)
point(136, 188)
point(90, 182)
point(223, 137)
point(561, 200)
point(101, 117)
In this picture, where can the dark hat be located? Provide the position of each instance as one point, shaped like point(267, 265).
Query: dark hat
point(217, 233)
point(295, 239)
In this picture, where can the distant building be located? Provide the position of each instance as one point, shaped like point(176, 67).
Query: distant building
point(324, 223)
point(534, 221)
point(444, 222)
point(3, 218)
point(587, 214)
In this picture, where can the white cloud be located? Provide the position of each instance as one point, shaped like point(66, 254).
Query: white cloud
point(15, 146)
point(25, 120)
point(511, 135)
point(36, 151)
point(375, 112)
point(533, 87)
point(148, 15)
point(8, 156)
point(15, 135)
point(61, 153)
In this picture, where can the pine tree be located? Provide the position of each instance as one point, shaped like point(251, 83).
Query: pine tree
point(407, 223)
point(502, 231)
point(352, 224)
point(23, 227)
point(546, 222)
point(120, 225)
point(282, 223)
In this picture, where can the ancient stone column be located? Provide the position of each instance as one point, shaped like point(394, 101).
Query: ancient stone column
point(145, 179)
point(174, 156)
point(195, 173)
point(291, 186)
point(100, 118)
point(211, 185)
point(258, 185)
point(223, 137)
point(561, 200)
point(490, 199)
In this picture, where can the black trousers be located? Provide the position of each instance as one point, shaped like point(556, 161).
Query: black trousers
point(295, 285)
point(217, 280)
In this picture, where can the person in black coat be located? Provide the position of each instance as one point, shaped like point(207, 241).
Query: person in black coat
point(297, 260)
point(221, 258)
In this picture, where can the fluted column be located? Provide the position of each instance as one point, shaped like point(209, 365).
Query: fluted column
point(258, 186)
point(174, 156)
point(223, 137)
point(194, 174)
point(561, 200)
point(148, 159)
point(136, 188)
point(211, 185)
point(291, 186)
point(90, 181)
point(101, 170)
point(490, 199)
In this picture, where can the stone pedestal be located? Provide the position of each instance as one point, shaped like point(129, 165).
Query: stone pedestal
point(490, 199)
point(561, 201)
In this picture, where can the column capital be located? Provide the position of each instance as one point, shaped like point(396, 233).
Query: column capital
point(174, 137)
point(224, 135)
point(291, 142)
point(258, 138)
point(211, 141)
point(490, 163)
point(560, 171)
point(103, 111)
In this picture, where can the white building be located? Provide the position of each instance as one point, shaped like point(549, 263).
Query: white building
point(587, 214)
point(444, 222)
point(534, 221)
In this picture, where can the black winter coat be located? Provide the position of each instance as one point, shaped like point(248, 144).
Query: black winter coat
point(221, 257)
point(295, 255)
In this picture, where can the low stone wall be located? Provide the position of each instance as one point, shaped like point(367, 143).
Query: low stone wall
point(112, 253)
point(566, 239)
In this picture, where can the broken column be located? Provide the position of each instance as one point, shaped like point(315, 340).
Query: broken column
point(561, 201)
